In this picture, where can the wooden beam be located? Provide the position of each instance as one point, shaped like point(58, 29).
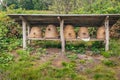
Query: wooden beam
point(59, 18)
point(24, 34)
point(107, 33)
point(62, 36)
point(23, 19)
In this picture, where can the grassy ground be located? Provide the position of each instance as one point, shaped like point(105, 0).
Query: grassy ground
point(48, 64)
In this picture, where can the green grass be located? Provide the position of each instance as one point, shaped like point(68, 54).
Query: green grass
point(27, 65)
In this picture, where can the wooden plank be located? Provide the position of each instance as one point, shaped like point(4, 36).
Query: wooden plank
point(23, 19)
point(54, 39)
point(93, 39)
point(62, 36)
point(57, 39)
point(24, 35)
point(107, 33)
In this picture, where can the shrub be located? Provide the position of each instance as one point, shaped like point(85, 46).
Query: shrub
point(103, 73)
point(72, 56)
point(5, 58)
point(106, 54)
point(109, 63)
point(115, 47)
point(24, 55)
point(40, 51)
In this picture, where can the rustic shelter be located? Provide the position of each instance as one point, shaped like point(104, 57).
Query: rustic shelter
point(93, 20)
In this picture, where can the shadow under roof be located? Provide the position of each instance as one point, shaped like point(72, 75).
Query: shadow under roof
point(73, 19)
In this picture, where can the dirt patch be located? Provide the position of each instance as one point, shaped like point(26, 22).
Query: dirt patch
point(53, 50)
point(85, 61)
point(57, 62)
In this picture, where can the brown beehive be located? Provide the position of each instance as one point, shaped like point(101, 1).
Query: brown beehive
point(35, 32)
point(51, 32)
point(101, 32)
point(69, 32)
point(83, 33)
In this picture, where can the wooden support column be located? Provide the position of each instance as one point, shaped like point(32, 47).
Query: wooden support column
point(28, 29)
point(25, 26)
point(28, 32)
point(107, 33)
point(24, 34)
point(62, 35)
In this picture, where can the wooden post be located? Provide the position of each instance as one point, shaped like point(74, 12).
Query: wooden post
point(62, 36)
point(24, 34)
point(28, 29)
point(107, 33)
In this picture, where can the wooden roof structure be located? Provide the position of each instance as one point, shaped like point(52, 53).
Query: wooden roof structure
point(73, 19)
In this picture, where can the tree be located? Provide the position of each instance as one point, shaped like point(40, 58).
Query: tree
point(27, 4)
point(98, 7)
point(41, 4)
point(4, 4)
point(65, 6)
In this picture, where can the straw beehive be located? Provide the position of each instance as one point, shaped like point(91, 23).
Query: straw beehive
point(83, 33)
point(35, 32)
point(69, 32)
point(51, 32)
point(101, 32)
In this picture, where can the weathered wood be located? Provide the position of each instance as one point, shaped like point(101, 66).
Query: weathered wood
point(54, 39)
point(23, 19)
point(79, 19)
point(62, 36)
point(28, 29)
point(24, 35)
point(93, 39)
point(28, 32)
point(107, 33)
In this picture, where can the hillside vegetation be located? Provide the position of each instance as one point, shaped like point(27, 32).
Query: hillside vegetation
point(42, 59)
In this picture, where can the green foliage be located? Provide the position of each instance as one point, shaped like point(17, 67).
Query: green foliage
point(5, 58)
point(42, 4)
point(82, 61)
point(66, 6)
point(98, 7)
point(9, 44)
point(115, 47)
point(103, 73)
point(27, 4)
point(109, 63)
point(77, 47)
point(68, 72)
point(106, 54)
point(40, 51)
point(97, 47)
point(80, 48)
point(101, 76)
point(92, 31)
point(41, 72)
point(54, 44)
point(24, 55)
point(72, 56)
